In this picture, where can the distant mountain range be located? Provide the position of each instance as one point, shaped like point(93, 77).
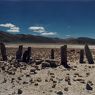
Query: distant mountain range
point(23, 38)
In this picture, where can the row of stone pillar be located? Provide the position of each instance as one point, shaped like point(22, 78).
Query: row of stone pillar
point(25, 57)
point(20, 56)
point(88, 55)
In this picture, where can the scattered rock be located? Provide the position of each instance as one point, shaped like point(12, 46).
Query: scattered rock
point(67, 79)
point(88, 87)
point(27, 75)
point(90, 82)
point(45, 64)
point(51, 79)
point(5, 80)
point(12, 80)
point(3, 68)
point(54, 85)
point(39, 79)
point(66, 89)
point(87, 74)
point(20, 91)
point(25, 82)
point(31, 81)
point(19, 78)
point(51, 73)
point(52, 63)
point(36, 84)
point(59, 93)
point(46, 80)
point(33, 70)
point(38, 62)
point(54, 81)
point(80, 79)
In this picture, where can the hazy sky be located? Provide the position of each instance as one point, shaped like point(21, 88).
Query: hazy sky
point(56, 18)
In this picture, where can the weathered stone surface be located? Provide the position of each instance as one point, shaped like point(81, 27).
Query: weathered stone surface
point(20, 91)
point(52, 53)
point(59, 93)
point(38, 62)
point(19, 53)
point(3, 52)
point(27, 55)
point(64, 56)
point(45, 64)
point(88, 87)
point(52, 63)
point(88, 55)
point(81, 56)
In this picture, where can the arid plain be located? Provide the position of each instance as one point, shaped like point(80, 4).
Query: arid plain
point(36, 79)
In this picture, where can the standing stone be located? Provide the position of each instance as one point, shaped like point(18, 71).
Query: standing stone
point(88, 87)
point(19, 53)
point(3, 51)
point(81, 56)
point(88, 55)
point(27, 55)
point(64, 56)
point(52, 53)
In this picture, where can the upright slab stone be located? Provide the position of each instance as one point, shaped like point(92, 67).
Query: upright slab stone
point(19, 53)
point(27, 55)
point(52, 53)
point(64, 56)
point(81, 56)
point(3, 52)
point(88, 55)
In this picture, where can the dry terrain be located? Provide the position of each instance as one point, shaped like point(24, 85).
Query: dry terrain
point(32, 79)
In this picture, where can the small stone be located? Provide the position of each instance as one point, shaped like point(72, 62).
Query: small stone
point(36, 84)
point(19, 78)
point(27, 75)
point(45, 64)
point(87, 74)
point(38, 62)
point(90, 82)
point(46, 80)
point(3, 68)
point(50, 91)
point(19, 91)
point(12, 80)
point(51, 79)
point(51, 73)
point(33, 70)
point(31, 81)
point(54, 81)
point(5, 80)
point(59, 93)
point(66, 89)
point(88, 87)
point(39, 79)
point(67, 78)
point(54, 85)
point(25, 82)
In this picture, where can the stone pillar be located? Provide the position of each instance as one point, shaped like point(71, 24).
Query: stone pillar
point(88, 55)
point(81, 56)
point(52, 53)
point(27, 55)
point(64, 56)
point(3, 51)
point(19, 53)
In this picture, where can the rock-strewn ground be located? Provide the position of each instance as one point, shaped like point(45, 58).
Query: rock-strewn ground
point(31, 79)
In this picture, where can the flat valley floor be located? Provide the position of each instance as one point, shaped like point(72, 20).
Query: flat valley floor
point(31, 79)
